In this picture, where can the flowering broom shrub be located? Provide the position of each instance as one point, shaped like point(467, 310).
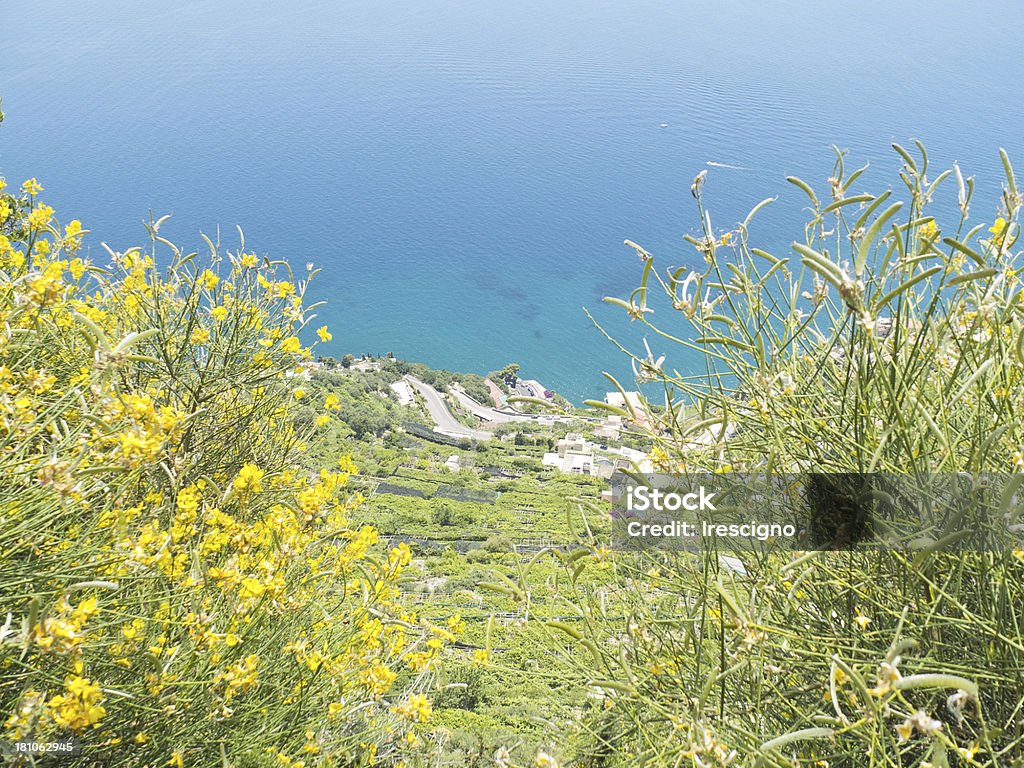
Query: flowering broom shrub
point(890, 340)
point(174, 588)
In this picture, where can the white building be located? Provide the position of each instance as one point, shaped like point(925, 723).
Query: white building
point(575, 455)
point(627, 400)
point(610, 429)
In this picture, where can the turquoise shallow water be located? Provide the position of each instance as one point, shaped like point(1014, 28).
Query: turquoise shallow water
point(466, 172)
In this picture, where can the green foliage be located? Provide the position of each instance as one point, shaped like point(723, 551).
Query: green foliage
point(166, 562)
point(498, 544)
point(507, 377)
point(440, 379)
point(884, 343)
point(443, 515)
point(890, 344)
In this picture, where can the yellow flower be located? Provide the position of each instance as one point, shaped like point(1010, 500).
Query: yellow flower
point(249, 479)
point(79, 706)
point(239, 678)
point(862, 621)
point(887, 675)
point(481, 657)
point(998, 230)
point(85, 610)
point(39, 217)
point(323, 333)
point(928, 230)
point(332, 403)
point(177, 760)
point(659, 456)
point(131, 631)
point(416, 708)
point(377, 679)
point(311, 747)
point(219, 313)
point(968, 753)
point(31, 187)
point(73, 234)
point(291, 345)
point(251, 588)
point(209, 279)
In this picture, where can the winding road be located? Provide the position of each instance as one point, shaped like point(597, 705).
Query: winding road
point(446, 423)
point(485, 413)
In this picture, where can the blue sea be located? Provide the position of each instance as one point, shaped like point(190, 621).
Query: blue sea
point(466, 173)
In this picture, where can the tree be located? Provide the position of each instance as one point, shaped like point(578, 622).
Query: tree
point(508, 375)
point(442, 515)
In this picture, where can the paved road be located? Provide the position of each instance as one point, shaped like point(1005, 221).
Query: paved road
point(446, 423)
point(485, 413)
point(506, 416)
